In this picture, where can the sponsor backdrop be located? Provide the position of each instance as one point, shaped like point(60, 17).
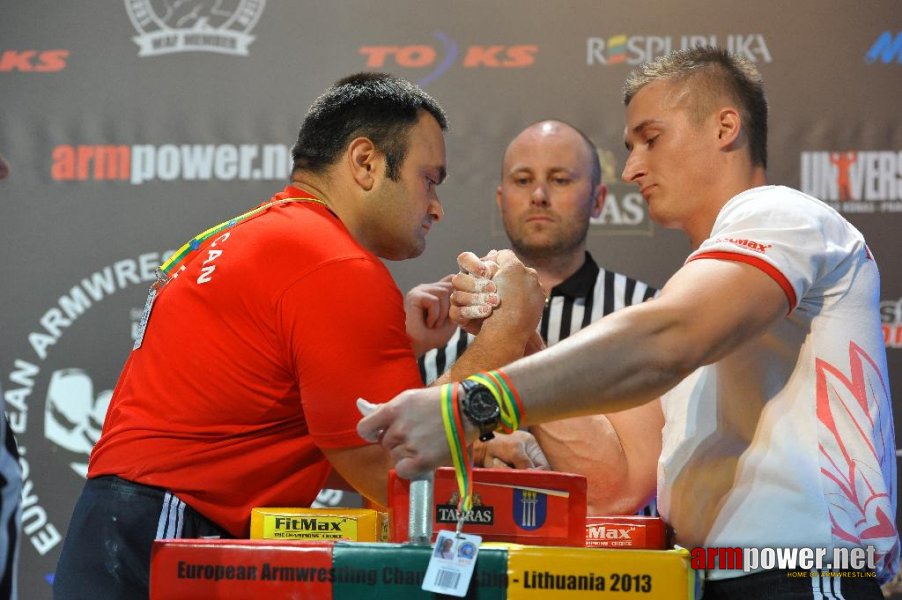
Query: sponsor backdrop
point(131, 125)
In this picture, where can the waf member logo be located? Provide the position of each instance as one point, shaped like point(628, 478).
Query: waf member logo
point(530, 509)
point(436, 58)
point(167, 26)
point(854, 181)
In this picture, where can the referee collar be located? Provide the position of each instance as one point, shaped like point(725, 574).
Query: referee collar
point(580, 284)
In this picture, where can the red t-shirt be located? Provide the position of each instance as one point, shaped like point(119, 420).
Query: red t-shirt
point(253, 358)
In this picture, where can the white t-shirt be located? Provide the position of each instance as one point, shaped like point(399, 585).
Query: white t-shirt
point(788, 441)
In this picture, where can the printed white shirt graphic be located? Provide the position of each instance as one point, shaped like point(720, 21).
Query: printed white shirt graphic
point(788, 441)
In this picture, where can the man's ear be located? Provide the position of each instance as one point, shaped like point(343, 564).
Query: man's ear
point(729, 127)
point(365, 162)
point(601, 192)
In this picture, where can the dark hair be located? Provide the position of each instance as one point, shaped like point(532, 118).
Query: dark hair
point(377, 106)
point(712, 73)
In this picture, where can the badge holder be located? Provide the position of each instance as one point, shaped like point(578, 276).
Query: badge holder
point(453, 559)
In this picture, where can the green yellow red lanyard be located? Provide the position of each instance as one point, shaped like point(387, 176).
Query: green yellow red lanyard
point(168, 268)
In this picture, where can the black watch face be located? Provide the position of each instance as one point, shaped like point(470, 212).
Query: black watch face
point(482, 405)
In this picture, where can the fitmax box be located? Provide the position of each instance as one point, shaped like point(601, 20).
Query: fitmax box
point(626, 531)
point(333, 524)
point(509, 505)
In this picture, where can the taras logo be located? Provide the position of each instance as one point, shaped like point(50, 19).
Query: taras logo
point(530, 509)
point(887, 49)
point(167, 26)
point(438, 59)
point(624, 210)
point(479, 514)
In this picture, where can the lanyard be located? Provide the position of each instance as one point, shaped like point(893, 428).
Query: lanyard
point(176, 263)
point(168, 270)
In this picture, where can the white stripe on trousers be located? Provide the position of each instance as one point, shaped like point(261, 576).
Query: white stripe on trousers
point(825, 588)
point(172, 517)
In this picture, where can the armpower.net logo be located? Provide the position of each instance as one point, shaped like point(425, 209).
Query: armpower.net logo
point(143, 163)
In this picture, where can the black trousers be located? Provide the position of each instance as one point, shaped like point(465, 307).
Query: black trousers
point(106, 553)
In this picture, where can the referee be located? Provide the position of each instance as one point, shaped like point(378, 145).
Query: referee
point(550, 188)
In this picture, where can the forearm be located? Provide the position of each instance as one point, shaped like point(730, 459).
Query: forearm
point(491, 349)
point(594, 372)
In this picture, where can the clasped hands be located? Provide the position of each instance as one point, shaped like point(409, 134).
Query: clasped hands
point(410, 425)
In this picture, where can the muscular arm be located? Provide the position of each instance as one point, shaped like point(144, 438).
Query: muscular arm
point(706, 310)
point(500, 341)
point(618, 454)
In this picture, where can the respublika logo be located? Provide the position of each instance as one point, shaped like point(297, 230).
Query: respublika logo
point(440, 57)
point(142, 163)
point(891, 322)
point(636, 49)
point(886, 49)
point(221, 26)
point(33, 61)
point(854, 181)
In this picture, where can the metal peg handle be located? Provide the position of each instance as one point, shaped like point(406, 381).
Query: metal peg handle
point(419, 525)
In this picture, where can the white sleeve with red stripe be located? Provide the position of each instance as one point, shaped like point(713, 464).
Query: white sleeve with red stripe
point(795, 239)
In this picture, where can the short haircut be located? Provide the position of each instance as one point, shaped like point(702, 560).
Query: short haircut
point(377, 106)
point(712, 74)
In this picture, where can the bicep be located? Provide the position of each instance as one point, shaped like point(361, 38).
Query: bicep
point(719, 304)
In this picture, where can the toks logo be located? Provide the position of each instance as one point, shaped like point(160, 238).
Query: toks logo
point(636, 49)
point(440, 60)
point(221, 26)
point(854, 181)
point(33, 61)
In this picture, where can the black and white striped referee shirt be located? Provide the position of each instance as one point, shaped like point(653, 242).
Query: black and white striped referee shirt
point(584, 297)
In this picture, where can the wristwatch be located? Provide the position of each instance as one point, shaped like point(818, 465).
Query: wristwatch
point(479, 406)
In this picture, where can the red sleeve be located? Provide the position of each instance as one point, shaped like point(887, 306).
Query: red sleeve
point(344, 324)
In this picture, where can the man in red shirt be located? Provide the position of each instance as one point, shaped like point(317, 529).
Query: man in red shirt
point(262, 334)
